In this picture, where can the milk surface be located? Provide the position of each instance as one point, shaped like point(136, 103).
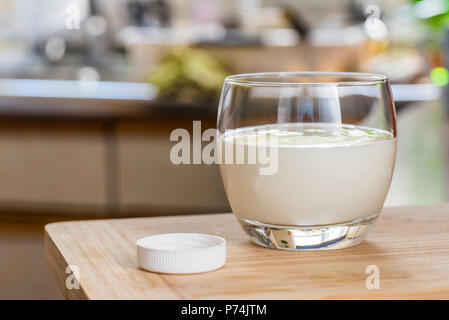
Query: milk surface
point(326, 173)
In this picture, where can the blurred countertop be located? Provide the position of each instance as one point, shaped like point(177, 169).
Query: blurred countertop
point(112, 99)
point(86, 99)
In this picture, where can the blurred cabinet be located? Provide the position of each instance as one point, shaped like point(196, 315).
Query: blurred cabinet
point(148, 179)
point(52, 164)
point(95, 167)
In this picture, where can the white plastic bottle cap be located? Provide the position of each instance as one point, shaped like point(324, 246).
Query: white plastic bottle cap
point(181, 253)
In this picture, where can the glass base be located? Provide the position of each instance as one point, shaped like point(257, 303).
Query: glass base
point(298, 238)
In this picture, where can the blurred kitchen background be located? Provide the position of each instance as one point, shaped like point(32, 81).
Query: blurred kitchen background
point(91, 89)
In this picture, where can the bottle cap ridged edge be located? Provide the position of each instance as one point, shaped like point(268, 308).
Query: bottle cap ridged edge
point(181, 253)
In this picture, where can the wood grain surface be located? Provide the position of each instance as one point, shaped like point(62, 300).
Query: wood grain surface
point(409, 245)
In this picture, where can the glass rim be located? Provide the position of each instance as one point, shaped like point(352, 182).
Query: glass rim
point(354, 79)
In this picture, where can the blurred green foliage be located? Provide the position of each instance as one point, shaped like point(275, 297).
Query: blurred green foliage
point(440, 19)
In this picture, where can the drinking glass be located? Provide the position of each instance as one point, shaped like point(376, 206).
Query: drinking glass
point(306, 158)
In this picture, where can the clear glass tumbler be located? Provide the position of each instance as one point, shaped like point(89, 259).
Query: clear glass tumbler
point(306, 158)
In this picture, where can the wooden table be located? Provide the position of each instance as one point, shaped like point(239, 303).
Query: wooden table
point(409, 246)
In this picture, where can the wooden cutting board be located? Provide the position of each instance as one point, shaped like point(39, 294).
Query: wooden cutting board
point(409, 247)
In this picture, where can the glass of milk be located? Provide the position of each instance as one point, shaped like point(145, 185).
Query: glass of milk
point(306, 159)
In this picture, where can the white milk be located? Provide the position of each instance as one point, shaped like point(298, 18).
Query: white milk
point(326, 174)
